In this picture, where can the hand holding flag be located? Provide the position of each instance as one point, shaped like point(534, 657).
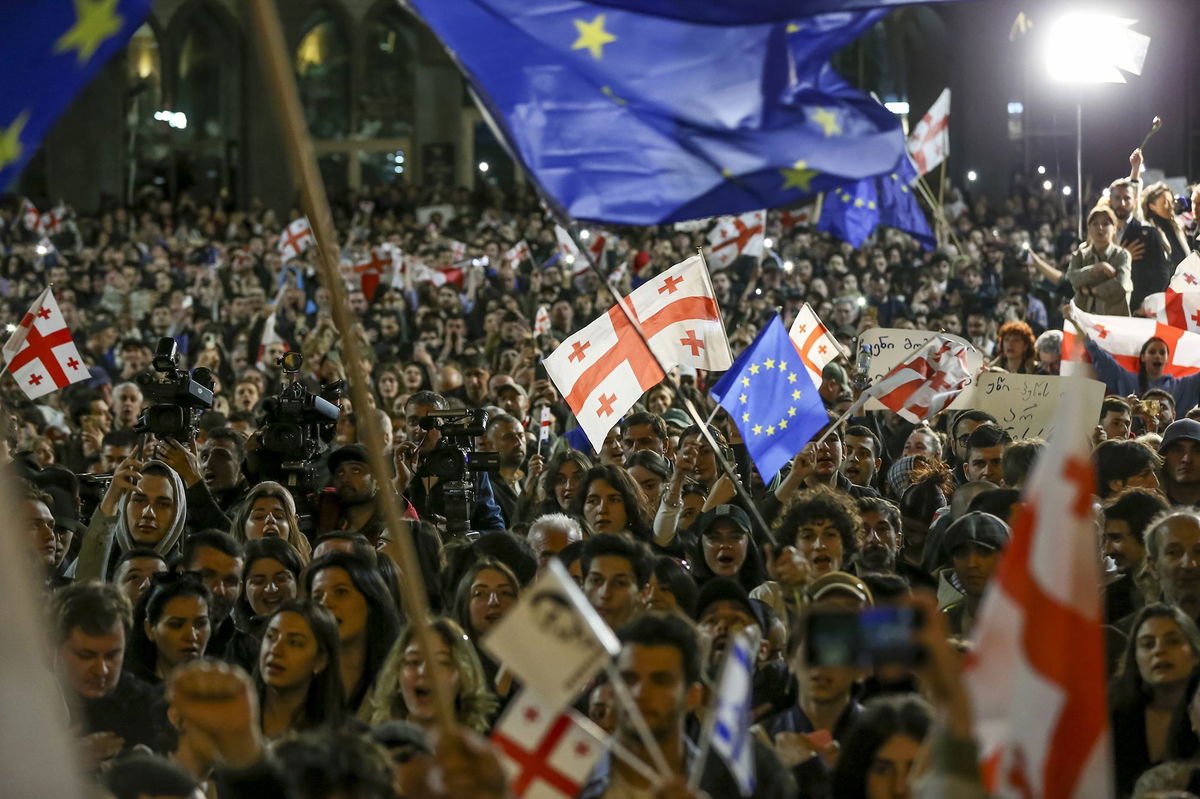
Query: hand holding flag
point(927, 382)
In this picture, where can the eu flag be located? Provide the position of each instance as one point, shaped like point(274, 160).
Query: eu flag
point(51, 49)
point(771, 399)
point(853, 212)
point(750, 12)
point(624, 117)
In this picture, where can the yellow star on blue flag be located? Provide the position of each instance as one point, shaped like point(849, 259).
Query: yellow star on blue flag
point(773, 432)
point(52, 48)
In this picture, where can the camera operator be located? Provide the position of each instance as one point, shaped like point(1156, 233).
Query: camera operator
point(425, 493)
point(357, 491)
point(512, 489)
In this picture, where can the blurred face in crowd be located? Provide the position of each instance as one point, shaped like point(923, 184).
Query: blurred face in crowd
point(638, 437)
point(986, 463)
point(245, 396)
point(604, 507)
point(1182, 462)
point(150, 510)
point(333, 588)
point(1163, 653)
point(820, 542)
point(353, 483)
point(1178, 564)
point(132, 577)
point(290, 657)
point(491, 594)
point(962, 432)
point(882, 541)
point(222, 574)
point(547, 540)
point(128, 401)
point(1121, 201)
point(611, 450)
point(181, 632)
point(922, 441)
point(1117, 424)
point(268, 585)
point(475, 379)
point(416, 679)
point(90, 665)
point(974, 566)
point(720, 621)
point(859, 462)
point(612, 589)
point(506, 439)
point(43, 545)
point(1122, 545)
point(891, 768)
point(725, 547)
point(220, 464)
point(656, 678)
point(650, 483)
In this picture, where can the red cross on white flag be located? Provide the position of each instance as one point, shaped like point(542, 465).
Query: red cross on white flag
point(370, 269)
point(30, 216)
point(53, 220)
point(541, 322)
point(735, 236)
point(929, 143)
point(1179, 305)
point(817, 347)
point(605, 368)
point(1037, 675)
point(516, 254)
point(1123, 338)
point(546, 754)
point(458, 250)
point(295, 239)
point(41, 355)
point(927, 382)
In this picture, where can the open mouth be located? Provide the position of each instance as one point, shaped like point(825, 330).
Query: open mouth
point(273, 667)
point(422, 693)
point(822, 563)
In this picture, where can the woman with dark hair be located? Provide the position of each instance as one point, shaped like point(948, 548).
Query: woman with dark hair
point(170, 625)
point(1181, 769)
point(270, 577)
point(649, 470)
point(1016, 345)
point(1151, 685)
point(724, 548)
point(415, 377)
point(387, 384)
point(269, 510)
point(366, 616)
point(610, 502)
point(672, 589)
point(1158, 208)
point(297, 676)
point(486, 591)
point(561, 481)
point(877, 757)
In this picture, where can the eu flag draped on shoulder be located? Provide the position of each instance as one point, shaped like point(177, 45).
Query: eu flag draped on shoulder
point(771, 399)
point(51, 49)
point(626, 117)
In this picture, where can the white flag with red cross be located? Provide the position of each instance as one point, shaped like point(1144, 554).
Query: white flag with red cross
point(1123, 337)
point(929, 142)
point(52, 220)
point(41, 355)
point(30, 216)
point(797, 216)
point(735, 236)
point(546, 754)
point(1179, 305)
point(516, 254)
point(295, 239)
point(817, 347)
point(458, 250)
point(371, 268)
point(605, 368)
point(1037, 676)
point(570, 254)
point(927, 382)
point(541, 322)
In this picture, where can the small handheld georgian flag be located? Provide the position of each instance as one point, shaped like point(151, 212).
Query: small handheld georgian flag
point(546, 754)
point(541, 322)
point(516, 254)
point(295, 239)
point(41, 355)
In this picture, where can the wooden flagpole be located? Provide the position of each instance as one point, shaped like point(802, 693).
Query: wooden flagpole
point(300, 151)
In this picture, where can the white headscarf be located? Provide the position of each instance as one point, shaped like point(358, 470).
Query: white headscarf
point(174, 532)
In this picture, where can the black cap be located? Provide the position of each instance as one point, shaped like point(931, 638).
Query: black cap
point(721, 589)
point(731, 512)
point(63, 509)
point(976, 527)
point(351, 453)
point(1178, 430)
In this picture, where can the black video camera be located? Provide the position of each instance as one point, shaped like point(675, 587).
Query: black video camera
point(175, 398)
point(453, 460)
point(297, 424)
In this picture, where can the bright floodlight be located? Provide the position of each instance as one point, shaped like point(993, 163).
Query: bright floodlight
point(1094, 48)
point(1041, 170)
point(897, 107)
point(768, 243)
point(972, 175)
point(483, 166)
point(1066, 191)
point(1047, 185)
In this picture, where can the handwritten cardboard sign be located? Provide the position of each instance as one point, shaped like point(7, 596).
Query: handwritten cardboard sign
point(1024, 404)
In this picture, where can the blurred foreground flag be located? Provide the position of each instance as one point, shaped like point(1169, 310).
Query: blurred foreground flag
point(927, 382)
point(852, 213)
point(52, 48)
point(627, 117)
point(547, 753)
point(771, 399)
point(749, 12)
point(1037, 676)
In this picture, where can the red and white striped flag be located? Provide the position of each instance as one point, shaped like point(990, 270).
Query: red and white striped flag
point(929, 142)
point(541, 321)
point(735, 236)
point(817, 347)
point(30, 216)
point(1037, 675)
point(52, 221)
point(1122, 337)
point(546, 754)
point(295, 239)
point(516, 254)
point(41, 355)
point(927, 382)
point(605, 368)
point(1179, 305)
point(458, 250)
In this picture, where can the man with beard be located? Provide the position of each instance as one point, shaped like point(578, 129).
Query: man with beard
point(219, 559)
point(355, 488)
point(881, 544)
point(861, 457)
point(1150, 267)
point(505, 437)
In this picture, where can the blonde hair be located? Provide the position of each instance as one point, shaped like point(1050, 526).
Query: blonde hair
point(269, 488)
point(474, 703)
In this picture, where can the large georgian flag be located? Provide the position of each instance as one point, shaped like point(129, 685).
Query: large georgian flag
point(605, 368)
point(41, 355)
point(1122, 337)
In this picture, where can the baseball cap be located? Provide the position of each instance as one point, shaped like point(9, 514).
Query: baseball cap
point(834, 371)
point(351, 453)
point(677, 417)
point(731, 512)
point(727, 589)
point(517, 387)
point(839, 583)
point(979, 528)
point(1179, 430)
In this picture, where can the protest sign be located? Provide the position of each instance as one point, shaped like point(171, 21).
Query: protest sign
point(1024, 404)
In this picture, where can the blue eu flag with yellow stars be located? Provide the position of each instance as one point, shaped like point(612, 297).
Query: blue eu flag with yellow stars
point(51, 48)
point(852, 213)
point(627, 117)
point(772, 400)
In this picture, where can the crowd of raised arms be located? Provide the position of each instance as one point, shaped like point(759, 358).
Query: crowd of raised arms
point(239, 616)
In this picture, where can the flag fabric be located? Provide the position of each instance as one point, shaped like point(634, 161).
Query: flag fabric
point(736, 236)
point(1039, 706)
point(370, 269)
point(517, 253)
point(552, 640)
point(541, 321)
point(545, 426)
point(927, 382)
point(774, 406)
point(295, 239)
point(31, 217)
point(814, 342)
point(1122, 337)
point(631, 118)
point(546, 753)
point(51, 50)
point(568, 250)
point(749, 12)
point(929, 142)
point(458, 250)
point(40, 354)
point(731, 738)
point(603, 369)
point(52, 220)
point(1179, 305)
point(796, 216)
point(853, 212)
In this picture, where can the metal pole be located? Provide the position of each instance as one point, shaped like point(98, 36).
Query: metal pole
point(1079, 166)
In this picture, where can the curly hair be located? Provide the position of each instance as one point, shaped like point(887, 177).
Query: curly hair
point(825, 503)
point(473, 705)
point(1022, 331)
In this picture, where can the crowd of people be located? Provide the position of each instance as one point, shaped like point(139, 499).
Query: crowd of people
point(227, 615)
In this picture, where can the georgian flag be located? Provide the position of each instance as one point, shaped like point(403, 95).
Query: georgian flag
point(371, 269)
point(927, 382)
point(1122, 337)
point(295, 239)
point(516, 254)
point(30, 216)
point(735, 236)
point(605, 368)
point(929, 143)
point(570, 254)
point(541, 322)
point(817, 347)
point(41, 355)
point(546, 754)
point(1179, 305)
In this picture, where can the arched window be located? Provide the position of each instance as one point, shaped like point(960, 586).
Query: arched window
point(205, 126)
point(388, 105)
point(323, 72)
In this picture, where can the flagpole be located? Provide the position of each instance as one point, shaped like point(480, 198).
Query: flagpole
point(621, 691)
point(281, 78)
